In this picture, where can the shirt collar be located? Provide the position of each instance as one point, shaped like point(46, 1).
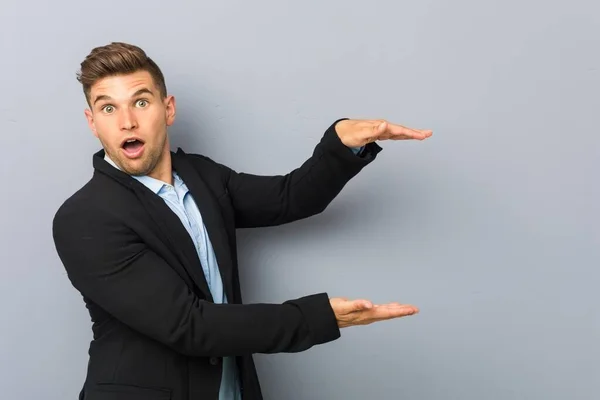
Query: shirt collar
point(153, 184)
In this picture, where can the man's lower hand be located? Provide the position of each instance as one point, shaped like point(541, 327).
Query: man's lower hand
point(363, 312)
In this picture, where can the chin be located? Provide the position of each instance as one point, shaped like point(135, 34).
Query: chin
point(138, 170)
point(132, 167)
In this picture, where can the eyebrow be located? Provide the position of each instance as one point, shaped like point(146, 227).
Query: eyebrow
point(139, 92)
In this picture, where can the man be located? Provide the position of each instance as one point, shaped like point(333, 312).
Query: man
point(150, 244)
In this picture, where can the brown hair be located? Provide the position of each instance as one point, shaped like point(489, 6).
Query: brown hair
point(118, 59)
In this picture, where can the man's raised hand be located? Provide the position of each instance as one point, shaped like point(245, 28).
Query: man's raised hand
point(357, 133)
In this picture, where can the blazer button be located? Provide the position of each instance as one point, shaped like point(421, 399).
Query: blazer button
point(214, 360)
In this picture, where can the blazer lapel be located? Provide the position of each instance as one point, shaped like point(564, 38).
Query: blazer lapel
point(211, 216)
point(175, 235)
point(170, 229)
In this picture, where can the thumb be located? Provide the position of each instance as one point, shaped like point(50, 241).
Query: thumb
point(359, 305)
point(380, 128)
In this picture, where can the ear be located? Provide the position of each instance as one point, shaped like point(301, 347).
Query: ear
point(170, 110)
point(90, 119)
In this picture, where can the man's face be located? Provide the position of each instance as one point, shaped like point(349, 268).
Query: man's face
point(129, 117)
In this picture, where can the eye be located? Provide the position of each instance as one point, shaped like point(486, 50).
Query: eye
point(108, 109)
point(142, 103)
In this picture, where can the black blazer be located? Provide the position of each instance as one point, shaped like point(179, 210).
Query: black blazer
point(156, 332)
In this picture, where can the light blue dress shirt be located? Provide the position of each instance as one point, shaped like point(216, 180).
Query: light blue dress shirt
point(178, 198)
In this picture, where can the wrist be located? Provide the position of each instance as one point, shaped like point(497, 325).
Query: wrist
point(343, 129)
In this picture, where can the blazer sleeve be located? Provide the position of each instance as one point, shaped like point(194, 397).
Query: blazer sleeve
point(109, 265)
point(260, 201)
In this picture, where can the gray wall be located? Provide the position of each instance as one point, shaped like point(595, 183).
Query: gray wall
point(491, 226)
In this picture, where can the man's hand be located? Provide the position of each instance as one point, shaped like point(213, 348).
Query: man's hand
point(363, 312)
point(357, 133)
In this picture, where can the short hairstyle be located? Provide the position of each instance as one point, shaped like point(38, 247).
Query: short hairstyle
point(117, 58)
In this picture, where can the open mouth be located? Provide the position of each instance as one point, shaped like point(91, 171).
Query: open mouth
point(133, 147)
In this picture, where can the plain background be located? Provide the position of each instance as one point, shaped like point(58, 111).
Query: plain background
point(490, 226)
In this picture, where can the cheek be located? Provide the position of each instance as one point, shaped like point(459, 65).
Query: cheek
point(159, 125)
point(106, 132)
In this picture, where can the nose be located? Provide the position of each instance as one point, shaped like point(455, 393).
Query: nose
point(128, 120)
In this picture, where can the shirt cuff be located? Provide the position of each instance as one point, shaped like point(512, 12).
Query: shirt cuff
point(357, 150)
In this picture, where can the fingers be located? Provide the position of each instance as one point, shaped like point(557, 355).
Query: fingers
point(400, 308)
point(390, 311)
point(400, 132)
point(388, 304)
point(383, 130)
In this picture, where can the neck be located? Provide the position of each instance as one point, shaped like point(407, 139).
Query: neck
point(163, 170)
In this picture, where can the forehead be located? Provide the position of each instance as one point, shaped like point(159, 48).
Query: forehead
point(117, 86)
